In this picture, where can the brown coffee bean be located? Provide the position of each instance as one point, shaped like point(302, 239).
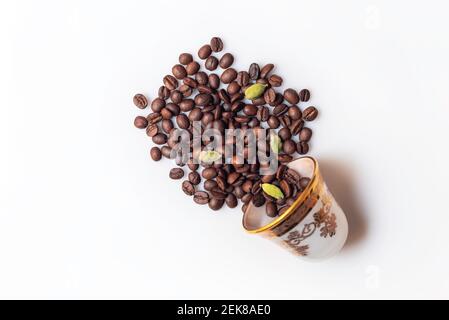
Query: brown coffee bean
point(166, 152)
point(188, 188)
point(294, 112)
point(173, 108)
point(242, 78)
point(160, 138)
point(209, 173)
point(273, 122)
point(268, 178)
point(238, 192)
point(204, 89)
point(166, 114)
point(247, 186)
point(231, 201)
point(185, 58)
point(176, 173)
point(204, 52)
point(186, 105)
point(263, 114)
point(192, 68)
point(211, 63)
point(254, 71)
point(216, 204)
point(228, 75)
point(179, 71)
point(233, 88)
point(202, 78)
point(304, 95)
point(270, 96)
point(208, 117)
point(152, 130)
point(194, 178)
point(218, 193)
point(275, 80)
point(214, 81)
point(286, 188)
point(201, 197)
point(296, 126)
point(202, 99)
point(250, 110)
point(247, 198)
point(157, 105)
point(305, 134)
point(140, 101)
point(280, 109)
point(221, 181)
point(285, 158)
point(244, 207)
point(140, 122)
point(167, 125)
point(182, 121)
point(210, 185)
point(310, 114)
point(258, 200)
point(285, 120)
point(193, 166)
point(289, 147)
point(266, 70)
point(285, 134)
point(216, 44)
point(302, 147)
point(163, 92)
point(195, 115)
point(170, 82)
point(280, 173)
point(185, 90)
point(176, 96)
point(226, 60)
point(271, 209)
point(155, 153)
point(256, 187)
point(291, 96)
point(190, 82)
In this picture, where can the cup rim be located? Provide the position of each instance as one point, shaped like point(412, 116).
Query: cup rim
point(304, 195)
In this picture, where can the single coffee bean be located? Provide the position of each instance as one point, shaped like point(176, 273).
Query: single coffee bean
point(202, 78)
point(247, 186)
point(210, 185)
point(278, 100)
point(263, 114)
point(238, 192)
point(194, 178)
point(273, 122)
point(221, 181)
point(156, 153)
point(202, 99)
point(167, 125)
point(280, 109)
point(228, 75)
point(204, 52)
point(214, 81)
point(310, 114)
point(188, 188)
point(305, 134)
point(176, 96)
point(285, 134)
point(268, 178)
point(233, 88)
point(302, 147)
point(211, 63)
point(256, 187)
point(152, 130)
point(271, 209)
point(291, 176)
point(247, 198)
point(296, 126)
point(231, 201)
point(140, 101)
point(242, 78)
point(170, 82)
point(291, 96)
point(250, 110)
point(192, 68)
point(304, 95)
point(286, 188)
point(216, 44)
point(179, 71)
point(294, 112)
point(182, 121)
point(185, 90)
point(270, 96)
point(176, 173)
point(254, 71)
point(216, 204)
point(140, 122)
point(280, 173)
point(303, 182)
point(185, 58)
point(285, 120)
point(209, 173)
point(160, 138)
point(173, 108)
point(258, 200)
point(201, 197)
point(195, 115)
point(186, 105)
point(166, 114)
point(289, 147)
point(285, 158)
point(218, 193)
point(157, 105)
point(226, 60)
point(204, 89)
point(266, 70)
point(208, 117)
point(190, 82)
point(275, 80)
point(163, 92)
point(166, 152)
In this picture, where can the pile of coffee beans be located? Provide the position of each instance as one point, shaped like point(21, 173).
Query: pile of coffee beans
point(230, 99)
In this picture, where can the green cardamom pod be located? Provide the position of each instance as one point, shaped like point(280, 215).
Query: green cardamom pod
point(209, 156)
point(255, 91)
point(272, 191)
point(275, 143)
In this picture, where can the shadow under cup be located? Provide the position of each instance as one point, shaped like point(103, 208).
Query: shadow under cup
point(314, 226)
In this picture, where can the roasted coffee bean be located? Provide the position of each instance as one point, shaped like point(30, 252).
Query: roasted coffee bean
point(254, 71)
point(209, 173)
point(294, 112)
point(250, 110)
point(201, 78)
point(270, 96)
point(285, 158)
point(176, 96)
point(233, 88)
point(236, 97)
point(226, 60)
point(310, 114)
point(296, 126)
point(291, 96)
point(247, 198)
point(155, 153)
point(242, 78)
point(258, 200)
point(167, 125)
point(193, 166)
point(210, 185)
point(305, 134)
point(238, 192)
point(232, 177)
point(231, 201)
point(303, 182)
point(173, 108)
point(170, 82)
point(271, 209)
point(228, 75)
point(140, 101)
point(192, 68)
point(166, 152)
point(279, 99)
point(204, 52)
point(194, 178)
point(263, 114)
point(166, 114)
point(286, 121)
point(216, 204)
point(186, 105)
point(185, 90)
point(188, 188)
point(241, 119)
point(176, 173)
point(160, 138)
point(247, 186)
point(157, 105)
point(268, 178)
point(182, 121)
point(204, 89)
point(214, 81)
point(202, 99)
point(273, 122)
point(275, 80)
point(216, 44)
point(140, 122)
point(280, 109)
point(282, 210)
point(221, 181)
point(201, 197)
point(304, 95)
point(163, 92)
point(302, 147)
point(152, 130)
point(266, 70)
point(285, 134)
point(211, 63)
point(291, 176)
point(179, 71)
point(256, 187)
point(218, 193)
point(190, 82)
point(289, 147)
point(286, 188)
point(280, 173)
point(207, 118)
point(185, 58)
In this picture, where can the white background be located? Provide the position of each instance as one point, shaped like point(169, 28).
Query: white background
point(85, 213)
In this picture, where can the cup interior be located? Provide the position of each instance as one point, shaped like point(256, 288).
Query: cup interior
point(255, 218)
